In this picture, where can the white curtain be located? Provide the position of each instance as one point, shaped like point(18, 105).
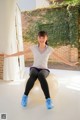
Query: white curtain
point(19, 40)
point(8, 42)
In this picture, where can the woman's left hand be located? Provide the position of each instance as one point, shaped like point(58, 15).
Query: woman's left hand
point(73, 64)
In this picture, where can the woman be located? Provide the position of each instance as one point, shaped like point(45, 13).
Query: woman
point(39, 69)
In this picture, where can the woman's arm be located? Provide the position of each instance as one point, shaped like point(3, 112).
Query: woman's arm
point(64, 60)
point(1, 55)
point(18, 53)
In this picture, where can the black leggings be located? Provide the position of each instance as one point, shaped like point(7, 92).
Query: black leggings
point(41, 74)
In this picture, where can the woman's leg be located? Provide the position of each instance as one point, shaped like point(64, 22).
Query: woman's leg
point(31, 80)
point(29, 85)
point(44, 85)
point(42, 78)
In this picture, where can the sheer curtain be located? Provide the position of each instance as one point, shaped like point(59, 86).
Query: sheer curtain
point(19, 41)
point(8, 42)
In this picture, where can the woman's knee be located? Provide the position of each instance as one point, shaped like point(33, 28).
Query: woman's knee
point(43, 74)
point(33, 72)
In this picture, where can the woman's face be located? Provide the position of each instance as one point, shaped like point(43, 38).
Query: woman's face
point(42, 39)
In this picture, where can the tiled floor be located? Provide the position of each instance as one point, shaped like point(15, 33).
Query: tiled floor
point(66, 102)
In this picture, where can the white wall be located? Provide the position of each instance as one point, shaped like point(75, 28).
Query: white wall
point(41, 3)
point(27, 5)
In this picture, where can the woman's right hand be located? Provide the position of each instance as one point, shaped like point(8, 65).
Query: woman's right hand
point(6, 55)
point(17, 53)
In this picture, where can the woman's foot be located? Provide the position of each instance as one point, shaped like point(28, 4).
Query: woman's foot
point(24, 100)
point(49, 103)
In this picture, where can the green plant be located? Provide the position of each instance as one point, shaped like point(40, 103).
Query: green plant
point(71, 2)
point(60, 22)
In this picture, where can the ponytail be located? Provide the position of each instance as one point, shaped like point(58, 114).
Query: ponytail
point(46, 43)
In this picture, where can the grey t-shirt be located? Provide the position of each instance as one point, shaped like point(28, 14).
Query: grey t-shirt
point(41, 58)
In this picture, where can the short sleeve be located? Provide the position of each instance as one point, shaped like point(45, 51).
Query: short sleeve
point(51, 50)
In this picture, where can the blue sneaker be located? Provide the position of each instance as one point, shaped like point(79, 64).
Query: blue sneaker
point(24, 100)
point(49, 103)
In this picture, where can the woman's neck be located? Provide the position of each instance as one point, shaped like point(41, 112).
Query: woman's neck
point(42, 45)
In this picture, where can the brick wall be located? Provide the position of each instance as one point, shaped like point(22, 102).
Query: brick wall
point(79, 36)
point(1, 67)
point(68, 53)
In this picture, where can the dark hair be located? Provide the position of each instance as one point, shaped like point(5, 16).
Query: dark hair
point(43, 34)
